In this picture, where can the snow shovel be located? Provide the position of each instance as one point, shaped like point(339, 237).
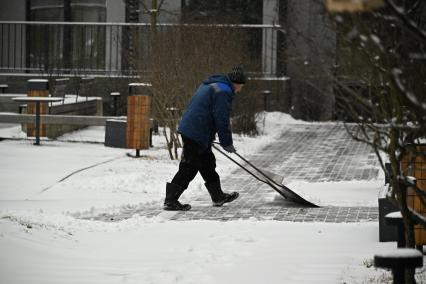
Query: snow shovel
point(267, 179)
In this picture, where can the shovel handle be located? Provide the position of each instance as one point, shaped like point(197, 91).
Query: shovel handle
point(257, 169)
point(233, 160)
point(269, 179)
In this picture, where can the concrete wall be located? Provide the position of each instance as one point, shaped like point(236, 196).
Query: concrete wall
point(102, 87)
point(13, 10)
point(91, 107)
point(9, 105)
point(311, 56)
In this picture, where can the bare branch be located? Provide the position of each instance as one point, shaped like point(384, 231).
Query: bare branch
point(160, 5)
point(421, 194)
point(146, 9)
point(410, 96)
point(417, 217)
point(399, 12)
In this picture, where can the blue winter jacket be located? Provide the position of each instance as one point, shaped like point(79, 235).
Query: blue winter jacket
point(209, 112)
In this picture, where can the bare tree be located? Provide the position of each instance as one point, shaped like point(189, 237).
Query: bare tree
point(180, 58)
point(385, 95)
point(176, 58)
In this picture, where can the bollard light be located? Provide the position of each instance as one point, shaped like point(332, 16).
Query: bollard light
point(265, 94)
point(115, 96)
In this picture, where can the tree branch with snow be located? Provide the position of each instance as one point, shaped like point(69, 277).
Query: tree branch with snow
point(388, 102)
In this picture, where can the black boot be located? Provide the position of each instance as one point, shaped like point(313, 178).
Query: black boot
point(171, 203)
point(218, 196)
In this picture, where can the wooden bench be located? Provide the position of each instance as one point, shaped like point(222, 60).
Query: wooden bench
point(60, 87)
point(395, 219)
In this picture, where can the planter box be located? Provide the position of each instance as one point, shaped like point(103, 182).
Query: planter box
point(386, 233)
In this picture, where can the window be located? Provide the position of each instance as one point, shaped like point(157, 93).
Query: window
point(57, 48)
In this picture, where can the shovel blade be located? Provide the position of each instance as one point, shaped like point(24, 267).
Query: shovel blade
point(283, 190)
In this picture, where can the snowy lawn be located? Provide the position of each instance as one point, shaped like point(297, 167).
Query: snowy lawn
point(57, 249)
point(41, 241)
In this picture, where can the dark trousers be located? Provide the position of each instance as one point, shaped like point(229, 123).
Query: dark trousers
point(195, 160)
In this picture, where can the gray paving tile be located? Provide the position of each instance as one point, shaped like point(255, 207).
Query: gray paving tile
point(313, 152)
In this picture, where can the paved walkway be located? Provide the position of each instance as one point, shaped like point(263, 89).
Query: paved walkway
point(310, 152)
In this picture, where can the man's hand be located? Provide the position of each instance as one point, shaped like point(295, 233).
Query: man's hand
point(229, 149)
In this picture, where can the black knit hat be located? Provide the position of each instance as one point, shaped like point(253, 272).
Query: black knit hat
point(237, 75)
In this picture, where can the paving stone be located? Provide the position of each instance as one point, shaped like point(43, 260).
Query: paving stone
point(313, 152)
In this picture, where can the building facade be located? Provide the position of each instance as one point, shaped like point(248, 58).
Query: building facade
point(300, 47)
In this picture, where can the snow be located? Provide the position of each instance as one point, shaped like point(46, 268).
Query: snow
point(157, 251)
point(140, 84)
point(36, 99)
point(411, 180)
point(43, 189)
point(396, 215)
point(282, 78)
point(70, 99)
point(38, 80)
point(355, 193)
point(400, 253)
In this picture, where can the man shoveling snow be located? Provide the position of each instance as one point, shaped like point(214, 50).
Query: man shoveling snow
point(208, 113)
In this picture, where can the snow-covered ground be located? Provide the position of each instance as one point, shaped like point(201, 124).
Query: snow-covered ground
point(42, 188)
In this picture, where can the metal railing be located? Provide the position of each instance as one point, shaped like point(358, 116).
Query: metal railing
point(111, 49)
